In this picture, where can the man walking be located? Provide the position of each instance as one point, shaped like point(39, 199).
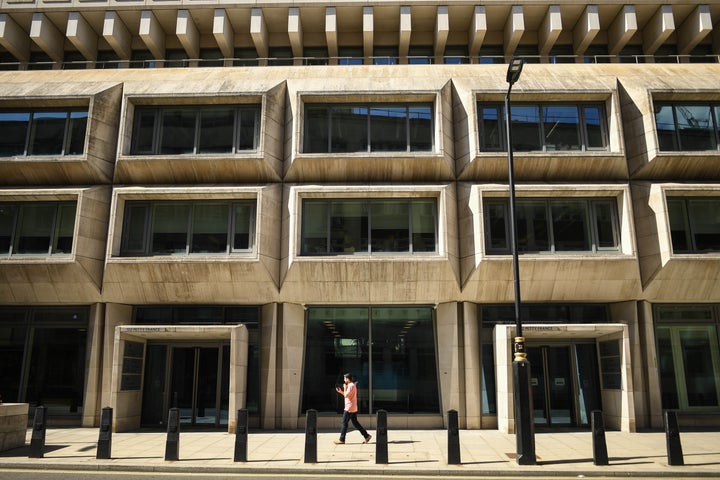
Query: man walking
point(350, 413)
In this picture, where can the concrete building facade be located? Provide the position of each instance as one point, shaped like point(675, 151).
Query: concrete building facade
point(228, 205)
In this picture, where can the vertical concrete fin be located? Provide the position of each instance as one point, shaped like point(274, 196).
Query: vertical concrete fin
point(13, 38)
point(117, 35)
point(152, 33)
point(47, 36)
point(550, 29)
point(331, 33)
point(223, 32)
point(442, 29)
point(188, 34)
point(477, 31)
point(81, 34)
point(405, 32)
point(658, 29)
point(259, 32)
point(622, 29)
point(586, 29)
point(694, 29)
point(514, 29)
point(295, 31)
point(368, 30)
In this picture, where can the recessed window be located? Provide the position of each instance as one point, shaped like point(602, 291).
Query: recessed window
point(544, 127)
point(184, 228)
point(195, 130)
point(687, 127)
point(694, 224)
point(554, 225)
point(37, 228)
point(350, 128)
point(42, 132)
point(375, 226)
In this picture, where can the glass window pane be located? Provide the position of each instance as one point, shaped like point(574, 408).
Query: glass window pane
point(65, 229)
point(144, 131)
point(497, 226)
point(665, 124)
point(701, 376)
point(532, 226)
point(76, 133)
point(390, 222)
point(561, 125)
point(35, 228)
point(421, 129)
point(695, 127)
point(217, 126)
point(135, 233)
point(525, 121)
point(349, 129)
point(570, 225)
point(404, 371)
point(605, 225)
point(489, 404)
point(243, 227)
point(424, 225)
point(490, 128)
point(388, 129)
point(678, 225)
point(314, 227)
point(249, 128)
point(178, 135)
point(316, 129)
point(14, 126)
point(594, 123)
point(705, 224)
point(47, 133)
point(7, 227)
point(170, 224)
point(349, 227)
point(210, 228)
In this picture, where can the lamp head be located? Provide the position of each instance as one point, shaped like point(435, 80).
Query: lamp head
point(514, 69)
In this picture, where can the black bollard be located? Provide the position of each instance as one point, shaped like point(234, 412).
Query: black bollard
point(672, 439)
point(600, 454)
point(381, 442)
point(172, 444)
point(453, 436)
point(37, 441)
point(104, 447)
point(311, 436)
point(241, 436)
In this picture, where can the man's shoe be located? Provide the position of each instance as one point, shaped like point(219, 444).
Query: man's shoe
point(339, 442)
point(367, 439)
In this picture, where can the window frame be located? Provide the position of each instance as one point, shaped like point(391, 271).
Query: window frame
point(32, 126)
point(676, 132)
point(54, 230)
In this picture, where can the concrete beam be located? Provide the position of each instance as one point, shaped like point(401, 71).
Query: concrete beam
point(550, 29)
point(47, 36)
point(295, 31)
point(13, 38)
point(259, 32)
point(117, 35)
point(514, 29)
point(152, 33)
point(477, 31)
point(188, 34)
point(223, 32)
point(622, 29)
point(586, 29)
point(368, 31)
point(405, 32)
point(694, 29)
point(658, 29)
point(81, 34)
point(331, 33)
point(442, 29)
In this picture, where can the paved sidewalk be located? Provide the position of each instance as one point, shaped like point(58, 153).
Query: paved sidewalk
point(410, 452)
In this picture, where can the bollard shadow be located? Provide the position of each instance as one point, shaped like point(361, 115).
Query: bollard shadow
point(401, 442)
point(270, 460)
point(345, 461)
point(413, 461)
point(483, 463)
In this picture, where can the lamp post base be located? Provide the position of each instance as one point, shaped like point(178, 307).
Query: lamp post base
point(524, 422)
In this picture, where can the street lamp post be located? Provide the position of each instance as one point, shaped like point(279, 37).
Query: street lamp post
point(524, 422)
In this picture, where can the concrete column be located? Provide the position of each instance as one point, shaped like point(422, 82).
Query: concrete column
point(295, 33)
point(550, 29)
point(503, 377)
point(694, 29)
point(331, 33)
point(259, 34)
point(514, 29)
point(658, 29)
point(152, 33)
point(93, 375)
point(187, 33)
point(13, 38)
point(291, 352)
point(238, 374)
point(405, 32)
point(368, 30)
point(223, 32)
point(115, 315)
point(117, 35)
point(47, 36)
point(622, 29)
point(442, 29)
point(586, 29)
point(268, 366)
point(476, 33)
point(450, 359)
point(652, 411)
point(81, 34)
point(473, 365)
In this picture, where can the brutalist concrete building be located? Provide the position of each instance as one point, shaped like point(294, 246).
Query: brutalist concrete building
point(227, 205)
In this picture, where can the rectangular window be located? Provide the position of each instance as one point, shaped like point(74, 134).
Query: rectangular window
point(687, 126)
point(349, 128)
point(185, 228)
point(44, 132)
point(37, 228)
point(195, 130)
point(554, 225)
point(694, 227)
point(543, 127)
point(346, 227)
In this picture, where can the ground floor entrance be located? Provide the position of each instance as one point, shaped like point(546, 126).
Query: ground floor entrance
point(565, 383)
point(192, 377)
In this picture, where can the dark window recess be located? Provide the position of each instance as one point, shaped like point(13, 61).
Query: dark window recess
point(42, 132)
point(687, 127)
point(37, 228)
point(694, 227)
